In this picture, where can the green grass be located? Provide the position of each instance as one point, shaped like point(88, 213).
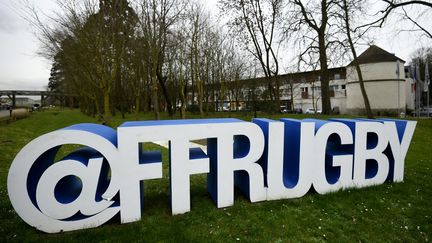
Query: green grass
point(387, 213)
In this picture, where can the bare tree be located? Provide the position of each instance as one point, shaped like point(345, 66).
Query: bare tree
point(89, 39)
point(292, 86)
point(255, 24)
point(116, 56)
point(199, 30)
point(157, 17)
point(314, 23)
point(349, 8)
point(181, 70)
point(390, 6)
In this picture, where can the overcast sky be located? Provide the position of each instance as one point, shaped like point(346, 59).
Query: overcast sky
point(21, 67)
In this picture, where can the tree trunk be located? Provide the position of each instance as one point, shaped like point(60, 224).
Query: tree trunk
point(155, 99)
point(325, 96)
point(362, 86)
point(166, 95)
point(277, 95)
point(107, 108)
point(183, 92)
point(96, 104)
point(313, 97)
point(200, 97)
point(356, 63)
point(193, 89)
point(147, 98)
point(254, 101)
point(137, 104)
point(207, 102)
point(292, 94)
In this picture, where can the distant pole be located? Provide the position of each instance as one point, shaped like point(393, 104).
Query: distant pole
point(13, 101)
point(427, 82)
point(417, 87)
point(398, 86)
point(418, 90)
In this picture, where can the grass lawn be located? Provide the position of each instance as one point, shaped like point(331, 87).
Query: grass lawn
point(387, 213)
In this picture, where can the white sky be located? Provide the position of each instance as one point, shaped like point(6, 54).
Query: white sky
point(21, 67)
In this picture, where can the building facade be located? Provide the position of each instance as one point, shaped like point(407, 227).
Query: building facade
point(388, 89)
point(387, 82)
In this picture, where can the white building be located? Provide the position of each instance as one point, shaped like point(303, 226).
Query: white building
point(389, 91)
point(387, 86)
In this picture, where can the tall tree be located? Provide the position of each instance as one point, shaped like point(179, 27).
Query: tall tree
point(198, 31)
point(349, 8)
point(120, 57)
point(314, 21)
point(255, 22)
point(157, 19)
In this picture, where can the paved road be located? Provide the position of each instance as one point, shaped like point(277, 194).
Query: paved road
point(4, 113)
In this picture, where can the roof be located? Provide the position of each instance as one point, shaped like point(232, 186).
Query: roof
point(299, 77)
point(376, 54)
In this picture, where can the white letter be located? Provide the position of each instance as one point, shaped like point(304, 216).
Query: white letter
point(135, 169)
point(183, 163)
point(225, 160)
point(370, 148)
point(288, 157)
point(400, 134)
point(344, 161)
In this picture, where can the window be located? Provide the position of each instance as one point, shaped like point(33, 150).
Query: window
point(334, 87)
point(304, 92)
point(337, 76)
point(343, 86)
point(407, 72)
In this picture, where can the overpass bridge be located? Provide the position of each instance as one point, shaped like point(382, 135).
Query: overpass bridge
point(12, 94)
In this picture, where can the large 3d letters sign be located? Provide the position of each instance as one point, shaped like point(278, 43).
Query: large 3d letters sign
point(265, 159)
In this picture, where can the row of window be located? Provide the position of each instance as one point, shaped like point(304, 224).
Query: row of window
point(318, 88)
point(337, 76)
